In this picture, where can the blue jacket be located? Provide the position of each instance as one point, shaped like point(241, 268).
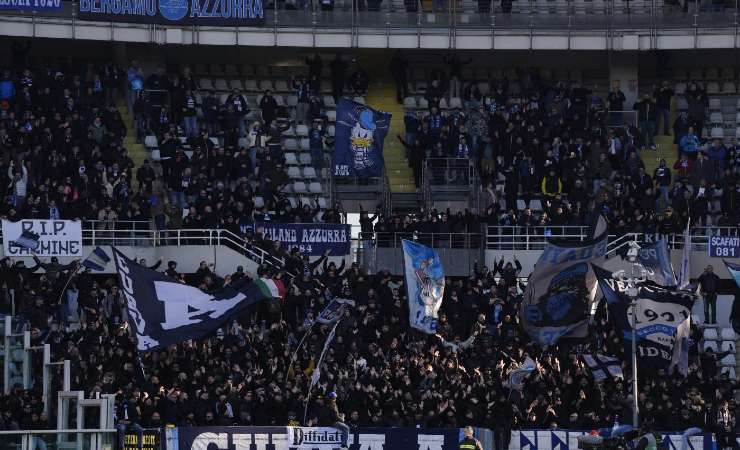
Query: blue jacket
point(689, 143)
point(7, 89)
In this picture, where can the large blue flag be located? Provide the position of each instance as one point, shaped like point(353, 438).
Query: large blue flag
point(425, 283)
point(734, 270)
point(358, 144)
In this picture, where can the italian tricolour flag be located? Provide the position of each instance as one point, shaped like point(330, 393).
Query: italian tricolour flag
point(270, 287)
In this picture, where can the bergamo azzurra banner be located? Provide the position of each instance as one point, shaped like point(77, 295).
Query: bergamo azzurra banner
point(175, 12)
point(31, 5)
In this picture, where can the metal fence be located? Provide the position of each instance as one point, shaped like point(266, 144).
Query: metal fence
point(440, 16)
point(83, 439)
point(434, 240)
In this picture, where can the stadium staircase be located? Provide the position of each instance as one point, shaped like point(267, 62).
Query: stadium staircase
point(381, 94)
point(136, 151)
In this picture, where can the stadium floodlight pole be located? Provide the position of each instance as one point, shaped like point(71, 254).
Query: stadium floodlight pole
point(637, 275)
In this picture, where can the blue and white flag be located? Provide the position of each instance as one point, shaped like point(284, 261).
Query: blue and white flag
point(517, 376)
point(317, 371)
point(425, 283)
point(604, 367)
point(97, 260)
point(334, 310)
point(734, 270)
point(684, 273)
point(28, 240)
point(358, 140)
point(559, 296)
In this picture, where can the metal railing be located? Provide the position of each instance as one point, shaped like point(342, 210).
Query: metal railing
point(449, 174)
point(536, 237)
point(82, 439)
point(446, 18)
point(434, 240)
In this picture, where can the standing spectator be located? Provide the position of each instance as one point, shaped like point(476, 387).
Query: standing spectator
point(190, 114)
point(135, 77)
point(269, 106)
point(663, 97)
point(399, 70)
point(211, 110)
point(236, 104)
point(18, 184)
point(303, 92)
point(709, 285)
point(662, 177)
point(455, 65)
point(689, 144)
point(646, 117)
point(338, 76)
point(615, 103)
point(316, 145)
point(697, 100)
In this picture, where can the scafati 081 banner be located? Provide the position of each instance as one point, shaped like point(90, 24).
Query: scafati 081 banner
point(175, 12)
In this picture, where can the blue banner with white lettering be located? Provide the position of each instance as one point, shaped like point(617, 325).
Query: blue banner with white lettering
point(734, 270)
point(312, 239)
point(175, 12)
point(31, 5)
point(358, 140)
point(724, 246)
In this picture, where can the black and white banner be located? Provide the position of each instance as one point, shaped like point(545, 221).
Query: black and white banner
point(603, 367)
point(163, 311)
point(55, 237)
point(660, 320)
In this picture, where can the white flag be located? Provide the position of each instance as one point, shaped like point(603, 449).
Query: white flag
point(684, 273)
point(317, 371)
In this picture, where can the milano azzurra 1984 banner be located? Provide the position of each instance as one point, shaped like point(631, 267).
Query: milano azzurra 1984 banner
point(175, 12)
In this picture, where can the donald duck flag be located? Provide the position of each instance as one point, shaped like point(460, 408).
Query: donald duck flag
point(425, 281)
point(358, 147)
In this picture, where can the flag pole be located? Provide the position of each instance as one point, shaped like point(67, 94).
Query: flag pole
point(295, 354)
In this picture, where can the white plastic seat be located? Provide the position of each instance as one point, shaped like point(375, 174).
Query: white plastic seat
point(443, 103)
point(236, 84)
point(358, 99)
point(220, 85)
point(455, 103)
point(713, 88)
point(710, 334)
point(301, 130)
point(728, 346)
point(682, 104)
point(290, 144)
point(294, 173)
point(728, 360)
point(728, 87)
point(331, 130)
point(304, 144)
point(299, 187)
point(290, 159)
point(250, 85)
point(281, 86)
point(279, 99)
point(329, 101)
point(715, 104)
point(259, 202)
point(292, 100)
point(265, 85)
point(331, 116)
point(730, 371)
point(206, 84)
point(315, 187)
point(423, 103)
point(322, 203)
point(680, 88)
point(711, 345)
point(728, 334)
point(716, 117)
point(290, 131)
point(304, 159)
point(717, 133)
point(151, 141)
point(309, 173)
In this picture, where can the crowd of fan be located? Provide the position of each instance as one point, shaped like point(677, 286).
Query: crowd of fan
point(385, 373)
point(567, 145)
